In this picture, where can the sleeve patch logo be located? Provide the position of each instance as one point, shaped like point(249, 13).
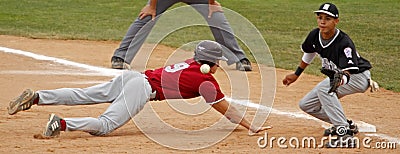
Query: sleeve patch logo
point(347, 51)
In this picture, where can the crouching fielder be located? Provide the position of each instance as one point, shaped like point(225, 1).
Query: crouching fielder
point(347, 72)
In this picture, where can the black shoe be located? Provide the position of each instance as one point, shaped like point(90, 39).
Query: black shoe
point(119, 63)
point(243, 65)
point(345, 141)
point(353, 129)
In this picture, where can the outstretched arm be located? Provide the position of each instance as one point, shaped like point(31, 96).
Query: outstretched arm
point(231, 113)
point(305, 61)
point(290, 78)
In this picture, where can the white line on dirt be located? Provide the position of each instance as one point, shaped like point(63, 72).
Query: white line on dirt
point(362, 126)
point(104, 71)
point(113, 72)
point(53, 72)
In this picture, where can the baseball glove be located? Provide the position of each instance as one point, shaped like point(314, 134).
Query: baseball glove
point(336, 77)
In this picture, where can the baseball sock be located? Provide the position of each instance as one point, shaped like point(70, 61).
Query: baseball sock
point(36, 101)
point(63, 125)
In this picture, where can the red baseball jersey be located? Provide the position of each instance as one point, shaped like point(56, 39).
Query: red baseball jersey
point(182, 81)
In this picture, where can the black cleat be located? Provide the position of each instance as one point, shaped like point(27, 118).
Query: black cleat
point(244, 65)
point(119, 63)
point(353, 129)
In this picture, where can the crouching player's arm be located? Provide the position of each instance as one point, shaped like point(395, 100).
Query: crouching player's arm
point(231, 113)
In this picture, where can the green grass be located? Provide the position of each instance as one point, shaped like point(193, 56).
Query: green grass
point(68, 19)
point(373, 26)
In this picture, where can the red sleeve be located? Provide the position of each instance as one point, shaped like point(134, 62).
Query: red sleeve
point(210, 91)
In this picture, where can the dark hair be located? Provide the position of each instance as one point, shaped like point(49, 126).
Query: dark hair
point(211, 64)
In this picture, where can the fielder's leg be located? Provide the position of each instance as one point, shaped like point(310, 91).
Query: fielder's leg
point(331, 104)
point(358, 83)
point(324, 106)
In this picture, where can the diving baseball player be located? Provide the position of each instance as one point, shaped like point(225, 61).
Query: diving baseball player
point(347, 72)
point(129, 92)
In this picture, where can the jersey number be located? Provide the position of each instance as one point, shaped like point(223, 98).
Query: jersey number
point(176, 67)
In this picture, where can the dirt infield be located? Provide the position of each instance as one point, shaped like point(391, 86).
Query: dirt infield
point(19, 72)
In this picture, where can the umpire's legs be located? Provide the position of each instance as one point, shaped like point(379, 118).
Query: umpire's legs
point(222, 33)
point(138, 32)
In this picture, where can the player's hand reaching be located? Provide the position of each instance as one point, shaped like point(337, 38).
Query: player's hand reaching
point(148, 11)
point(289, 79)
point(254, 131)
point(214, 7)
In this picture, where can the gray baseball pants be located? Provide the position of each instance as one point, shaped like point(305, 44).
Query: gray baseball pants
point(220, 28)
point(327, 107)
point(127, 93)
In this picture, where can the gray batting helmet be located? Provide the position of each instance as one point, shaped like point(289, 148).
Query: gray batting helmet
point(209, 51)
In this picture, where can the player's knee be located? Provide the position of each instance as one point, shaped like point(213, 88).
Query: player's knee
point(129, 75)
point(143, 21)
point(306, 107)
point(105, 127)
